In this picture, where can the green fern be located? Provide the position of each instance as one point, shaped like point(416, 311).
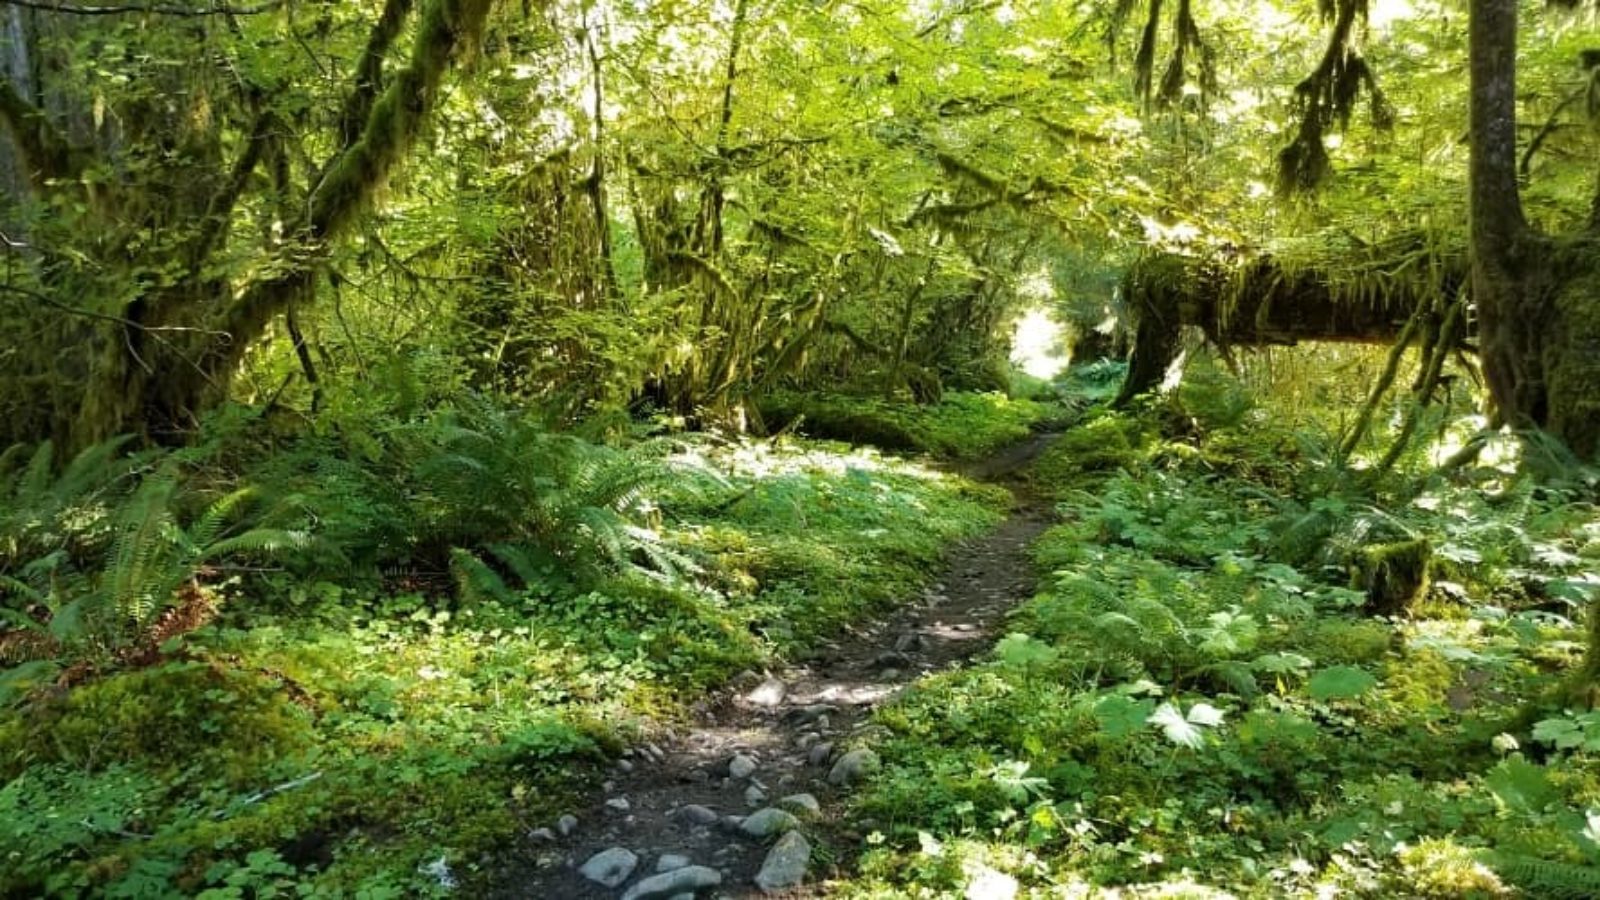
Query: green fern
point(1547, 878)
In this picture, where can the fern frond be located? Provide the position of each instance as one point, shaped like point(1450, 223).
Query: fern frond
point(475, 580)
point(1547, 878)
point(259, 542)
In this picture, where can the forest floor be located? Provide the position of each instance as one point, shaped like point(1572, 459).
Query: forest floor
point(784, 741)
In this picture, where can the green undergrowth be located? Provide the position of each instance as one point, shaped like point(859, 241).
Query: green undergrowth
point(1208, 697)
point(960, 425)
point(441, 634)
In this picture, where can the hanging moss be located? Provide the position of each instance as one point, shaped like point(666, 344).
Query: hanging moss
point(1395, 576)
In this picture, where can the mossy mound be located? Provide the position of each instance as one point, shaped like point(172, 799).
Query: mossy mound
point(1394, 576)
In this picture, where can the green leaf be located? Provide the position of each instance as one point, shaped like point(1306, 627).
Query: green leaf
point(1340, 683)
point(1521, 785)
point(1120, 716)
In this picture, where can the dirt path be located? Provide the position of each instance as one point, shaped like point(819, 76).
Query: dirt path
point(679, 799)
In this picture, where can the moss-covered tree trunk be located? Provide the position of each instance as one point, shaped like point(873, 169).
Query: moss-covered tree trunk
point(1538, 306)
point(167, 352)
point(1538, 303)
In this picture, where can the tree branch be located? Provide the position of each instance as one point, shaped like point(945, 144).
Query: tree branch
point(369, 71)
point(1548, 129)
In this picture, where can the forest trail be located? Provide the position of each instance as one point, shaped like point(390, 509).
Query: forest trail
point(678, 801)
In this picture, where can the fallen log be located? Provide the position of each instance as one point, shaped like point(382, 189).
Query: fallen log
point(1348, 292)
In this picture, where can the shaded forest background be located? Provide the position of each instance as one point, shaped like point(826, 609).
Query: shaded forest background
point(489, 344)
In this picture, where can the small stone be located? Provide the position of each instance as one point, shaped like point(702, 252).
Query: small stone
point(768, 822)
point(989, 884)
point(732, 823)
point(820, 753)
point(852, 767)
point(807, 740)
point(741, 766)
point(542, 835)
point(809, 713)
point(621, 804)
point(909, 643)
point(890, 660)
point(567, 824)
point(786, 863)
point(610, 867)
point(889, 674)
point(697, 776)
point(770, 693)
point(801, 804)
point(608, 786)
point(686, 880)
point(696, 814)
point(754, 796)
point(624, 766)
point(671, 862)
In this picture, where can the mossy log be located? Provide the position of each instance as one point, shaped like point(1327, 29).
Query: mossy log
point(1361, 294)
point(1394, 576)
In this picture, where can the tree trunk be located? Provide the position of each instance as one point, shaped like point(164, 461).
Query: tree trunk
point(1538, 307)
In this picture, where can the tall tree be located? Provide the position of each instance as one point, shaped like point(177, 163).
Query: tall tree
point(1537, 297)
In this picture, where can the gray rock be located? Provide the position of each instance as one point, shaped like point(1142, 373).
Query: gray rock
point(770, 693)
point(621, 804)
point(567, 824)
point(801, 804)
point(670, 862)
point(686, 880)
point(542, 835)
point(754, 796)
point(890, 674)
point(910, 642)
point(786, 863)
point(809, 713)
point(695, 814)
point(741, 766)
point(768, 822)
point(624, 766)
point(807, 740)
point(610, 867)
point(820, 754)
point(852, 767)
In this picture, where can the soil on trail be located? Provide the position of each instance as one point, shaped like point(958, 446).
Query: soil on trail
point(794, 725)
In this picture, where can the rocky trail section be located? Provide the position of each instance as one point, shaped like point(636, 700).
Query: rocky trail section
point(745, 801)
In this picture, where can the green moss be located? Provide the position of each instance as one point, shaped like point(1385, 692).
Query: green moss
point(1395, 576)
point(960, 426)
point(1106, 443)
point(1337, 641)
point(229, 723)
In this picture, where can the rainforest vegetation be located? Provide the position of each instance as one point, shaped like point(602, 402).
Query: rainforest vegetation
point(441, 439)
